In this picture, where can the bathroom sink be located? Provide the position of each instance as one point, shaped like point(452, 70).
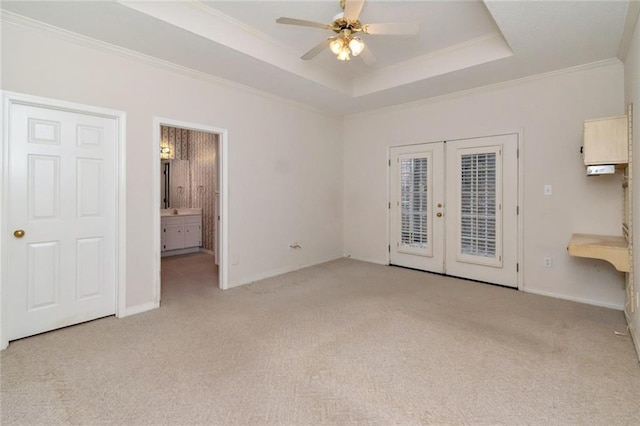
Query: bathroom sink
point(180, 212)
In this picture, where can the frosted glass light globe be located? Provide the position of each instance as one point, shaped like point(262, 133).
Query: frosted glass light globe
point(356, 45)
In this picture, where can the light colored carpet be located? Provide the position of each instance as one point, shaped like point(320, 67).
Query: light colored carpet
point(345, 342)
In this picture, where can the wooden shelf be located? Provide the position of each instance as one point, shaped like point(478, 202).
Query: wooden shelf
point(614, 250)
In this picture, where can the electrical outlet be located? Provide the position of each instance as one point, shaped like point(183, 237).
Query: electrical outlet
point(548, 190)
point(548, 262)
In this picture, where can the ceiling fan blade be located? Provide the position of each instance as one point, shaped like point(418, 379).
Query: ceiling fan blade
point(352, 9)
point(317, 49)
point(367, 56)
point(302, 22)
point(391, 29)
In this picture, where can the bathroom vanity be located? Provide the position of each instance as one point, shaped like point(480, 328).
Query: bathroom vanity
point(180, 231)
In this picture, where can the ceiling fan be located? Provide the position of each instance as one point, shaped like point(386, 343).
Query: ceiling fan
point(346, 25)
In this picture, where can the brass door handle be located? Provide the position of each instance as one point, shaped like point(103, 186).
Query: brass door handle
point(18, 233)
point(439, 214)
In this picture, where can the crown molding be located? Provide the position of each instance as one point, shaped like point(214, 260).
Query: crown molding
point(7, 17)
point(223, 30)
point(490, 87)
point(630, 24)
point(244, 27)
point(477, 51)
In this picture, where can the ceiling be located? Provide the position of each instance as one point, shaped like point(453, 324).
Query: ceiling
point(461, 44)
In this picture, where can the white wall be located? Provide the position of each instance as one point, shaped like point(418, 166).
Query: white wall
point(632, 94)
point(285, 171)
point(550, 111)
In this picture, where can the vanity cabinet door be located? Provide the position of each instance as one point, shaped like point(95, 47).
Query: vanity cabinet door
point(192, 233)
point(181, 232)
point(174, 237)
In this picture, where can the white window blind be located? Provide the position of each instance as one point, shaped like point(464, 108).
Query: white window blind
point(413, 199)
point(478, 204)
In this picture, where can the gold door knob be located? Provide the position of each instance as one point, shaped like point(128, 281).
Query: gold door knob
point(439, 214)
point(18, 233)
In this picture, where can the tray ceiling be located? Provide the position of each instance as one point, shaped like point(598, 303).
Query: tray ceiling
point(461, 44)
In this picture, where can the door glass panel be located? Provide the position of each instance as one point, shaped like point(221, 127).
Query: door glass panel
point(478, 204)
point(414, 202)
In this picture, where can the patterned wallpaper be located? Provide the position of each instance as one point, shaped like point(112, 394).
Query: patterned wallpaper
point(196, 174)
point(177, 140)
point(202, 150)
point(180, 191)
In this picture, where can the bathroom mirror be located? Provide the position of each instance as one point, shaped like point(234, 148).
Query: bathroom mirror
point(175, 189)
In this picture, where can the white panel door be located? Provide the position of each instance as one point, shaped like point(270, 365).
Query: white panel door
point(62, 196)
point(453, 208)
point(482, 203)
point(417, 197)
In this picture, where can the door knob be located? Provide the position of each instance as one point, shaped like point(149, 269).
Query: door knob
point(439, 214)
point(18, 233)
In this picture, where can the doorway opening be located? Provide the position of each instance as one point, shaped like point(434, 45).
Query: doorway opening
point(190, 192)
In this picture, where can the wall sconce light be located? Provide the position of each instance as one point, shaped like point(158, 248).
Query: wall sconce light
point(165, 153)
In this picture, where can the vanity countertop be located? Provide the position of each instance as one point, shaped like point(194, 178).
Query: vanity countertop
point(180, 212)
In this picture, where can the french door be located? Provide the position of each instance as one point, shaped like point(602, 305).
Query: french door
point(454, 208)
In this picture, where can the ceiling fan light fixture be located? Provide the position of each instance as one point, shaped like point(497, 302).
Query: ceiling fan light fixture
point(344, 54)
point(345, 25)
point(336, 45)
point(356, 45)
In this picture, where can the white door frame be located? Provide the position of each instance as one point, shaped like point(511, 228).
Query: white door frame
point(520, 244)
point(9, 98)
point(223, 184)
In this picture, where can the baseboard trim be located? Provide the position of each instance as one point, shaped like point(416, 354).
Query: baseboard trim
point(180, 251)
point(616, 306)
point(366, 259)
point(138, 309)
point(633, 333)
point(277, 272)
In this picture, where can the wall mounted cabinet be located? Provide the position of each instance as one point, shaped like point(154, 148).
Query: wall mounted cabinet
point(606, 141)
point(610, 141)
